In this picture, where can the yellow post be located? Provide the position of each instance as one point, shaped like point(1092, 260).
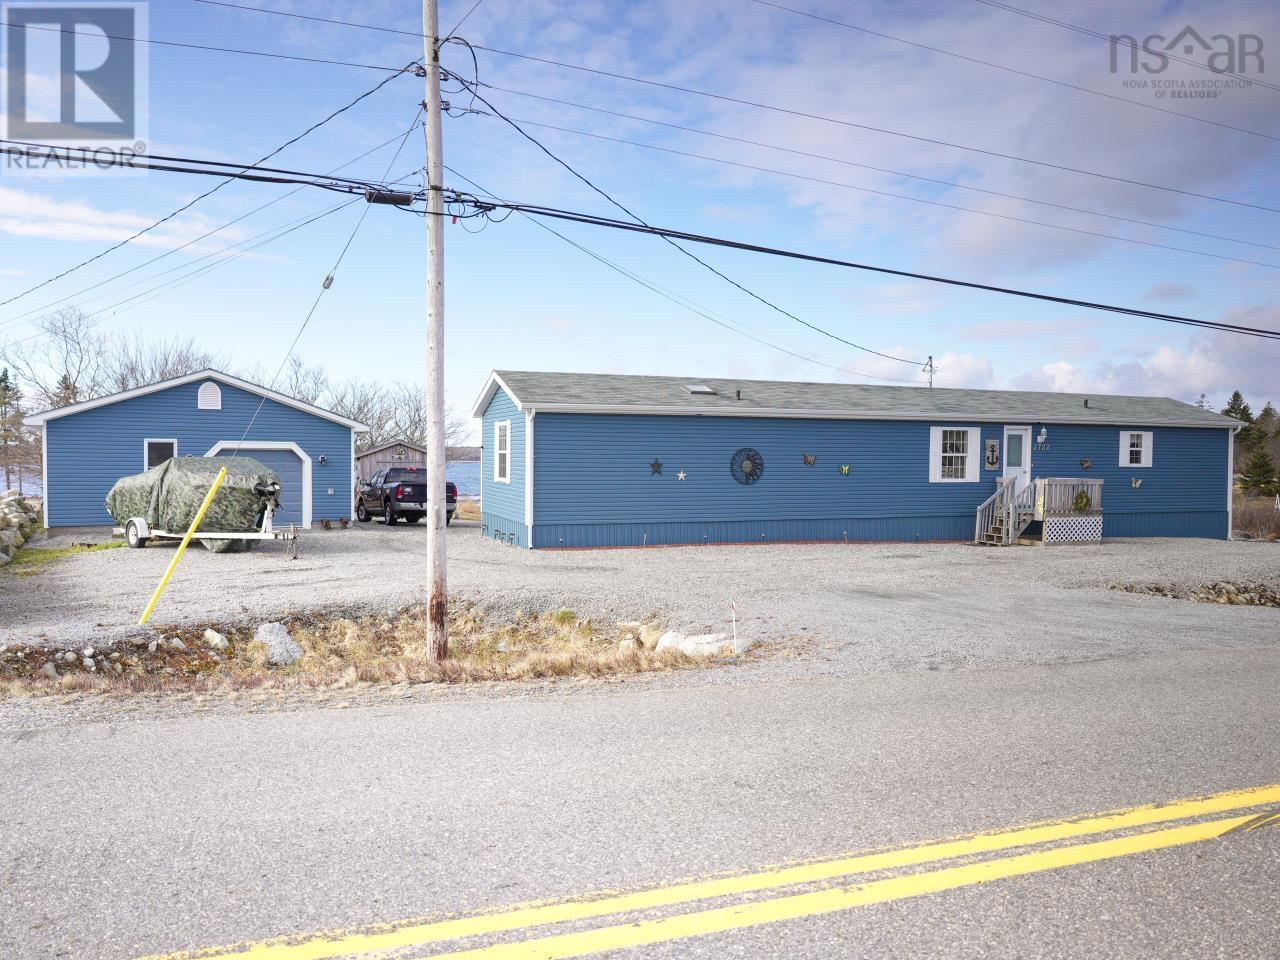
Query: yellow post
point(182, 547)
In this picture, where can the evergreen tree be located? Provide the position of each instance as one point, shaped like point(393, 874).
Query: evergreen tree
point(1203, 402)
point(1268, 423)
point(66, 392)
point(1237, 408)
point(1259, 474)
point(10, 427)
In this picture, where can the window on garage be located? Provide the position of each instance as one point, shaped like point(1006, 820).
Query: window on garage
point(158, 451)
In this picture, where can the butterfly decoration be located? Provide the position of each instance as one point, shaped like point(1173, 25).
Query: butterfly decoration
point(810, 459)
point(1085, 463)
point(844, 469)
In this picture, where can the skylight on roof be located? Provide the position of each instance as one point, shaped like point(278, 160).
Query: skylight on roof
point(700, 388)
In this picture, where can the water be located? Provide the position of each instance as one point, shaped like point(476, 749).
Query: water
point(466, 476)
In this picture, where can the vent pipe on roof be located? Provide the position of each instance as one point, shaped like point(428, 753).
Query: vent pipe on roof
point(1086, 401)
point(739, 394)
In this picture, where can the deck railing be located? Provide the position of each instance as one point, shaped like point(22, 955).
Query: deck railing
point(1007, 503)
point(1058, 495)
point(992, 507)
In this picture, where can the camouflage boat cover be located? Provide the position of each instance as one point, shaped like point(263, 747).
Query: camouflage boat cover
point(169, 496)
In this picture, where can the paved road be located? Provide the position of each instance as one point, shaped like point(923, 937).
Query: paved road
point(126, 839)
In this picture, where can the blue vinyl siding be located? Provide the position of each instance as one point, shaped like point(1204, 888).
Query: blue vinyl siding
point(89, 451)
point(594, 487)
point(502, 504)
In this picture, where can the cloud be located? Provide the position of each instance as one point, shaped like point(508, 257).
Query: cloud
point(1214, 364)
point(27, 214)
point(1170, 292)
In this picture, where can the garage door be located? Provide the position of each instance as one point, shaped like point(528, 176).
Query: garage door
point(288, 467)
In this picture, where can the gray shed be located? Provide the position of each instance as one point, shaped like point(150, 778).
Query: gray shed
point(397, 453)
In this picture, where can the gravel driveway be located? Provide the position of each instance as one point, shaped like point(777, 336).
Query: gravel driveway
point(864, 607)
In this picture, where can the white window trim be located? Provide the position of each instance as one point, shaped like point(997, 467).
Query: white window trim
point(972, 461)
point(1147, 449)
point(497, 449)
point(146, 449)
point(213, 391)
point(276, 445)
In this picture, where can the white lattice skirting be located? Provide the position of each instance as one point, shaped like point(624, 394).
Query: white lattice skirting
point(1072, 529)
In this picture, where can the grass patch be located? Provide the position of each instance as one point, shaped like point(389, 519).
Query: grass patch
point(1256, 517)
point(467, 510)
point(357, 651)
point(28, 561)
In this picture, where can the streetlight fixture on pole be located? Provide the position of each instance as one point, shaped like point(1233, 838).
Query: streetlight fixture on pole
point(437, 544)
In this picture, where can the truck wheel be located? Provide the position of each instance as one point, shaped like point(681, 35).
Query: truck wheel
point(134, 538)
point(389, 515)
point(413, 517)
point(448, 518)
point(361, 513)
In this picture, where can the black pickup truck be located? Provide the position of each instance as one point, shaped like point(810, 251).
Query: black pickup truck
point(400, 493)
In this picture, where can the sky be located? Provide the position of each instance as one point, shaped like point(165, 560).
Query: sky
point(519, 297)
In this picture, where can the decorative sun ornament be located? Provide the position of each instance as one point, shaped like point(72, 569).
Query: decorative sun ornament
point(746, 466)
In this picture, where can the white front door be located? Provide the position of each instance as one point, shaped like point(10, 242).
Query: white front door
point(1017, 455)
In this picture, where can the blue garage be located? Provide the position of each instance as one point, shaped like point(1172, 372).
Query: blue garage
point(603, 460)
point(88, 446)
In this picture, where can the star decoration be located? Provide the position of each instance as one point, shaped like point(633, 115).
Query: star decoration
point(655, 468)
point(681, 475)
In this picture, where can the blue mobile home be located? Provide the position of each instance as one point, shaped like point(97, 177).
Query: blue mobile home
point(594, 460)
point(88, 446)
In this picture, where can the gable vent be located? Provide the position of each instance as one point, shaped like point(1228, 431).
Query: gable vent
point(700, 389)
point(209, 397)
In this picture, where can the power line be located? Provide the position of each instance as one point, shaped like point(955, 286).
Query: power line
point(723, 276)
point(207, 193)
point(901, 196)
point(200, 46)
point(785, 110)
point(1086, 31)
point(465, 17)
point(324, 288)
point(1013, 70)
point(685, 302)
point(866, 166)
point(788, 111)
point(593, 220)
point(202, 237)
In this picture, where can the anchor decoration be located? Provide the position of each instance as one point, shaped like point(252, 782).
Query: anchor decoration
point(991, 457)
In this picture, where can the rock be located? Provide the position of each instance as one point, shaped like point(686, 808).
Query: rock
point(630, 644)
point(282, 649)
point(87, 653)
point(69, 657)
point(650, 634)
point(176, 643)
point(151, 647)
point(49, 670)
point(214, 640)
point(90, 665)
point(702, 645)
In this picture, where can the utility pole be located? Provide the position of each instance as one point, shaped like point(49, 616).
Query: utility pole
point(437, 542)
point(930, 369)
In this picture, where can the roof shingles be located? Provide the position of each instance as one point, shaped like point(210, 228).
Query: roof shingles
point(790, 398)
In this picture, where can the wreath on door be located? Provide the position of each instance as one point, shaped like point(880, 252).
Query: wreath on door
point(746, 466)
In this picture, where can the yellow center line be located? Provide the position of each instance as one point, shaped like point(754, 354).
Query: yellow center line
point(821, 902)
point(341, 943)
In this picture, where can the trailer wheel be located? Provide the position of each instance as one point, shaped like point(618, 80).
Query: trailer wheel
point(133, 537)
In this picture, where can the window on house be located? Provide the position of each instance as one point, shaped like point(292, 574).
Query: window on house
point(1135, 448)
point(158, 451)
point(502, 451)
point(209, 396)
point(955, 454)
